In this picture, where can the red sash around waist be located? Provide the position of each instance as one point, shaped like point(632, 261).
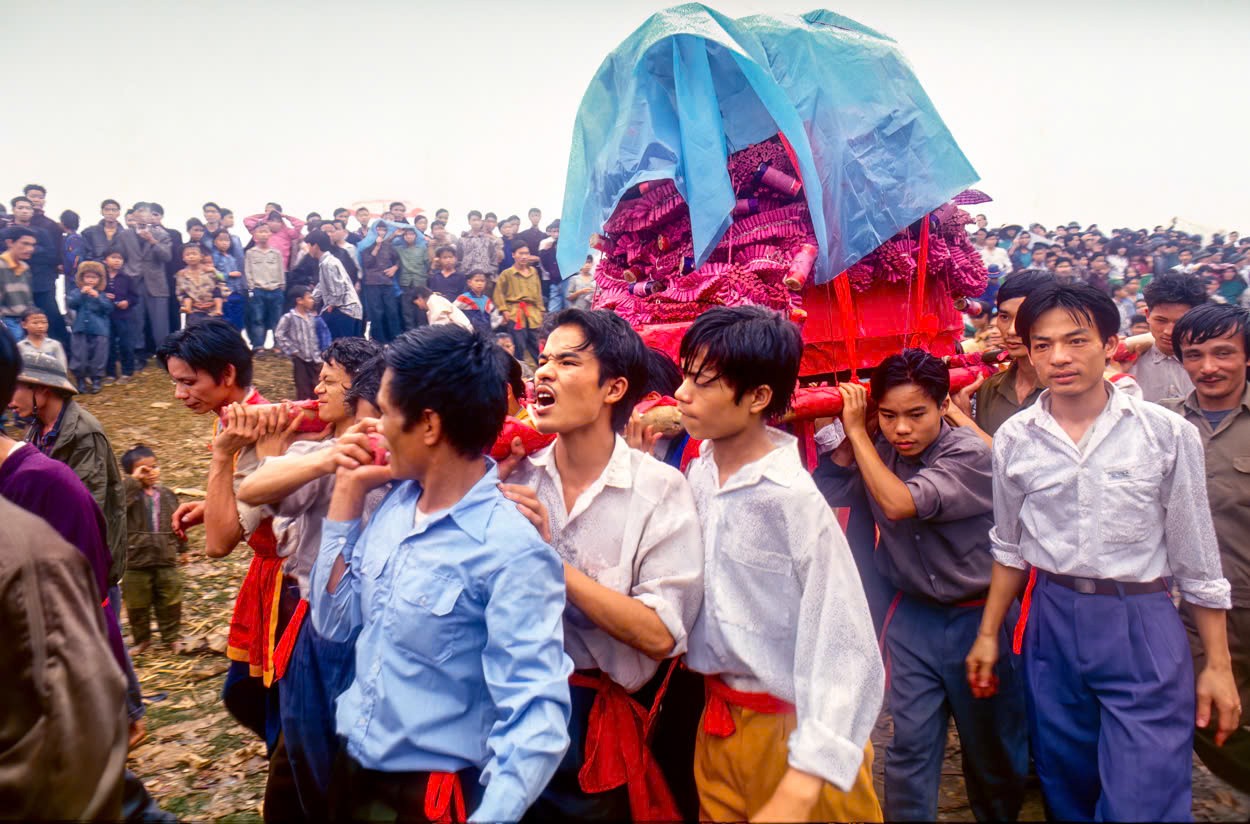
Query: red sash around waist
point(444, 799)
point(254, 624)
point(617, 751)
point(718, 721)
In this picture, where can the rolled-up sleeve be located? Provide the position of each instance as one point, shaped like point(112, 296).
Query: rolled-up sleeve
point(527, 674)
point(957, 484)
point(838, 675)
point(1188, 531)
point(337, 614)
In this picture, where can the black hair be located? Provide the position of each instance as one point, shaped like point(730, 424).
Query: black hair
point(210, 204)
point(912, 366)
point(342, 210)
point(192, 222)
point(108, 201)
point(518, 243)
point(210, 345)
point(663, 376)
point(298, 291)
point(213, 237)
point(534, 209)
point(31, 187)
point(1136, 319)
point(474, 214)
point(1210, 321)
point(440, 250)
point(277, 206)
point(135, 454)
point(748, 346)
point(438, 212)
point(460, 375)
point(397, 203)
point(158, 209)
point(10, 366)
point(1174, 287)
point(516, 378)
point(19, 199)
point(490, 216)
point(422, 292)
point(1021, 285)
point(319, 239)
point(350, 353)
point(1080, 300)
point(227, 212)
point(69, 219)
point(1062, 260)
point(618, 349)
point(312, 215)
point(366, 382)
point(475, 272)
point(16, 233)
point(32, 311)
point(438, 224)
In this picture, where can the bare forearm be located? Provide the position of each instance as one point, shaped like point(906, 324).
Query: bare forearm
point(624, 618)
point(1213, 630)
point(1005, 584)
point(274, 481)
point(222, 531)
point(891, 494)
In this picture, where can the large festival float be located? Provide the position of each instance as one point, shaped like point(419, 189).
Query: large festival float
point(791, 162)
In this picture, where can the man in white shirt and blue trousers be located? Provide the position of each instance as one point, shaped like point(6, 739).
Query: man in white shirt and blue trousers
point(1098, 497)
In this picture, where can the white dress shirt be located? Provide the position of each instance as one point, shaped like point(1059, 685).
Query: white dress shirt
point(784, 611)
point(1160, 376)
point(634, 531)
point(996, 256)
point(1128, 504)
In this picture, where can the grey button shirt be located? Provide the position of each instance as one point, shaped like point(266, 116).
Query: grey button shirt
point(943, 554)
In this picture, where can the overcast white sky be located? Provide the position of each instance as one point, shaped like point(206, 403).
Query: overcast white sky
point(1117, 112)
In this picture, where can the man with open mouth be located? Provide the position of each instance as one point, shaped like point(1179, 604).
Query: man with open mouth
point(625, 525)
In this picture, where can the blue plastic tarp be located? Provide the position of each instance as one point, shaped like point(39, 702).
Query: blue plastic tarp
point(691, 86)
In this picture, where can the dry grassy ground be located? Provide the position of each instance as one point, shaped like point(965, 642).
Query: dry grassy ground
point(196, 760)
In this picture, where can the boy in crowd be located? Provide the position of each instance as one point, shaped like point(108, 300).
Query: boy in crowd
point(296, 479)
point(152, 582)
point(929, 489)
point(90, 333)
point(340, 305)
point(15, 294)
point(198, 287)
point(782, 619)
point(1108, 676)
point(35, 325)
point(264, 268)
point(196, 231)
point(477, 248)
point(1018, 387)
point(519, 296)
point(581, 287)
point(1213, 344)
point(282, 237)
point(445, 277)
point(414, 271)
point(381, 262)
point(461, 677)
point(302, 336)
point(125, 324)
point(98, 239)
point(477, 307)
point(625, 525)
point(1158, 371)
point(438, 310)
point(1138, 325)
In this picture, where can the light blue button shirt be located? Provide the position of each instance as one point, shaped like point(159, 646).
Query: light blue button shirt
point(460, 661)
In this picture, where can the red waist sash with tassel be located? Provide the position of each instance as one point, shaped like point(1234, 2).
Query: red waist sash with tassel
point(718, 721)
point(617, 751)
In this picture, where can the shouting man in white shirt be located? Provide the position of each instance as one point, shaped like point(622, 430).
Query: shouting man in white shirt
point(1104, 496)
point(626, 527)
point(793, 674)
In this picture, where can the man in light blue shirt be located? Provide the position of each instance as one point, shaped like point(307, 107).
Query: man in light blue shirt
point(461, 674)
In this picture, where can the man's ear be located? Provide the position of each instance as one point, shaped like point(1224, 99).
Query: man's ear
point(759, 398)
point(229, 375)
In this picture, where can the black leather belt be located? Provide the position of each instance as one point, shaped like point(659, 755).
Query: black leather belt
point(1104, 586)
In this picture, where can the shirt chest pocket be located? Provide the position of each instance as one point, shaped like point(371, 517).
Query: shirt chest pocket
point(426, 625)
point(758, 593)
point(1241, 478)
point(1128, 501)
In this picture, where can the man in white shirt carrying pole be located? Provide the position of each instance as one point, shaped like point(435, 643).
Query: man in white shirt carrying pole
point(1103, 496)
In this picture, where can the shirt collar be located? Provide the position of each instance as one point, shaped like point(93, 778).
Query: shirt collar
point(472, 512)
point(618, 473)
point(1118, 405)
point(780, 465)
point(1191, 400)
point(926, 457)
point(18, 266)
point(1156, 356)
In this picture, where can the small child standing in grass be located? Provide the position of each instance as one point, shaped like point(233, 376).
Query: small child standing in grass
point(89, 341)
point(152, 582)
point(302, 336)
